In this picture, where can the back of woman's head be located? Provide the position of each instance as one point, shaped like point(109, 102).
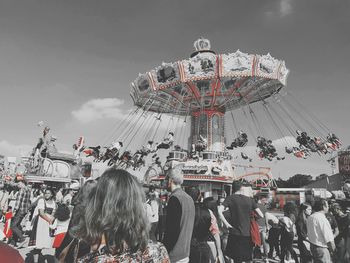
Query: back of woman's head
point(115, 209)
point(211, 204)
point(83, 192)
point(202, 223)
point(195, 193)
point(207, 201)
point(80, 200)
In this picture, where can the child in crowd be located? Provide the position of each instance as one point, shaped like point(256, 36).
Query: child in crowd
point(7, 228)
point(60, 225)
point(288, 231)
point(274, 238)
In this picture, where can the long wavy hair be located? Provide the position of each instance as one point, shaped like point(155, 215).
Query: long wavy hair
point(79, 201)
point(115, 209)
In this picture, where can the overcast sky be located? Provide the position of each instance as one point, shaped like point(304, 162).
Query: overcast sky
point(63, 61)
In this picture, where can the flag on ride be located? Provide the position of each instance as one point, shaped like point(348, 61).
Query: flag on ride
point(80, 143)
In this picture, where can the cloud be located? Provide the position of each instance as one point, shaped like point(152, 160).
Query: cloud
point(285, 7)
point(15, 150)
point(97, 109)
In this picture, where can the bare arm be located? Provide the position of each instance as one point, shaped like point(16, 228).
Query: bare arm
point(336, 232)
point(218, 247)
point(331, 246)
point(258, 211)
point(221, 209)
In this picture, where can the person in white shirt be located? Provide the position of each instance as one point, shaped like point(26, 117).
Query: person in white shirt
point(152, 208)
point(320, 233)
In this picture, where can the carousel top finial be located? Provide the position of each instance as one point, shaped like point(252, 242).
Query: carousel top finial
point(202, 44)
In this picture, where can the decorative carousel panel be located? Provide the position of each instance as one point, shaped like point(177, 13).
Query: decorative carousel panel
point(283, 73)
point(236, 64)
point(166, 74)
point(267, 66)
point(202, 66)
point(143, 83)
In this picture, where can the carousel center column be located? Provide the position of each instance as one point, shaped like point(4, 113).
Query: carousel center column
point(208, 126)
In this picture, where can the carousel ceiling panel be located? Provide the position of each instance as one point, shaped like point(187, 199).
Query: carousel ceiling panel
point(269, 67)
point(166, 75)
point(202, 66)
point(237, 64)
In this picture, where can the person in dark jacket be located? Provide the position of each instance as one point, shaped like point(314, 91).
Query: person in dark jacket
point(180, 218)
point(341, 241)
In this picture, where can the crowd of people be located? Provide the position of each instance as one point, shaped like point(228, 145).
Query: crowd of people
point(39, 213)
point(115, 219)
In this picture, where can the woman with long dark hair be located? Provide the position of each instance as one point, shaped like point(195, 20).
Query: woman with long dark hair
point(72, 248)
point(200, 250)
point(115, 224)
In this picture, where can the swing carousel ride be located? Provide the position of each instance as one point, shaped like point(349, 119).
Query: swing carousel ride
point(202, 113)
point(205, 88)
point(208, 91)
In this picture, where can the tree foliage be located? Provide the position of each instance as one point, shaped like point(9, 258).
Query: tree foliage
point(296, 181)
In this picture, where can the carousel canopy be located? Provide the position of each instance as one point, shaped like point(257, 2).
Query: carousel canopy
point(209, 81)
